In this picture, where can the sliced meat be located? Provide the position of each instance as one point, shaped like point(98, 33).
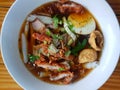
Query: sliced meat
point(63, 1)
point(66, 76)
point(66, 64)
point(44, 74)
point(57, 57)
point(42, 37)
point(51, 26)
point(70, 7)
point(70, 57)
point(40, 49)
point(61, 55)
point(43, 18)
point(52, 66)
point(38, 26)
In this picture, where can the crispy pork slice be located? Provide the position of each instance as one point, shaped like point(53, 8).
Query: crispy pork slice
point(43, 18)
point(63, 1)
point(68, 7)
point(42, 37)
point(53, 66)
point(66, 76)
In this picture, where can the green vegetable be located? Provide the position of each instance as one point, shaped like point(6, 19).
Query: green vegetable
point(70, 42)
point(84, 43)
point(62, 29)
point(60, 22)
point(48, 32)
point(56, 36)
point(67, 53)
point(61, 69)
point(33, 58)
point(71, 27)
point(56, 21)
point(79, 47)
point(66, 26)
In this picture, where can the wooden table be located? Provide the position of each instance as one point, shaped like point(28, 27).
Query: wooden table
point(7, 83)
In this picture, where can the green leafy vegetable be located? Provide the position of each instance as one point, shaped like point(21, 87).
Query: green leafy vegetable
point(67, 53)
point(33, 58)
point(56, 36)
point(79, 47)
point(70, 42)
point(70, 26)
point(48, 32)
point(62, 29)
point(56, 21)
point(60, 22)
point(61, 69)
point(84, 43)
point(66, 26)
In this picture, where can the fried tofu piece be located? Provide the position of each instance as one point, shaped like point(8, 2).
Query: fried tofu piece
point(96, 40)
point(87, 55)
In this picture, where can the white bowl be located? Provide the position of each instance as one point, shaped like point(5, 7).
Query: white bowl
point(9, 46)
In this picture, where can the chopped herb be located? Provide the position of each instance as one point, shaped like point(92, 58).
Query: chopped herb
point(60, 22)
point(67, 53)
point(79, 47)
point(70, 42)
point(62, 29)
point(66, 26)
point(84, 43)
point(48, 32)
point(71, 27)
point(56, 21)
point(56, 36)
point(33, 58)
point(61, 69)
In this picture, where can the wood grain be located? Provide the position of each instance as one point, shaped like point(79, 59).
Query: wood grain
point(115, 4)
point(3, 12)
point(6, 3)
point(6, 81)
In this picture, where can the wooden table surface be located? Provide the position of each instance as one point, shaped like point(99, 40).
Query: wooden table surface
point(7, 83)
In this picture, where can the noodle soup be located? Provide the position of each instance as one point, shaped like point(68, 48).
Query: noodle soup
point(60, 42)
